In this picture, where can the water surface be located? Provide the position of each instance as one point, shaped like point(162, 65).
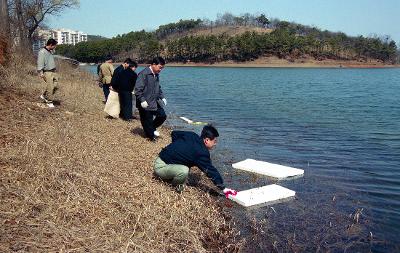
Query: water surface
point(342, 126)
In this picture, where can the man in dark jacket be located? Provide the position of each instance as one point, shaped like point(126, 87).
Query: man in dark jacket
point(186, 150)
point(123, 82)
point(150, 98)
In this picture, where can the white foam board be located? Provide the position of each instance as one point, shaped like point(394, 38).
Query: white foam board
point(268, 169)
point(262, 195)
point(187, 120)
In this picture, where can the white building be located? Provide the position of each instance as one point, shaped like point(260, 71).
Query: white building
point(62, 36)
point(66, 36)
point(40, 39)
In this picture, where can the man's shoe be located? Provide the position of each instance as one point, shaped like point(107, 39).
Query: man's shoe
point(50, 105)
point(179, 188)
point(45, 99)
point(156, 133)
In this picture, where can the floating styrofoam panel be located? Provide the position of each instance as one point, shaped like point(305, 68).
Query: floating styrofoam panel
point(269, 169)
point(187, 120)
point(261, 195)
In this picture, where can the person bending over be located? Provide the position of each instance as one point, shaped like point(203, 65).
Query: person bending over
point(186, 150)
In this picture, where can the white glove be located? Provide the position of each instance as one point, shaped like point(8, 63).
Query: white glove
point(144, 104)
point(164, 101)
point(228, 192)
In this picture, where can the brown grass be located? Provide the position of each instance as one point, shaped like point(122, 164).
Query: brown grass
point(73, 181)
point(221, 30)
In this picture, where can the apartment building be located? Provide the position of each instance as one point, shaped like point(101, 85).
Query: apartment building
point(63, 36)
point(66, 36)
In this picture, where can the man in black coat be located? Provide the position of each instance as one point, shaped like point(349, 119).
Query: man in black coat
point(123, 82)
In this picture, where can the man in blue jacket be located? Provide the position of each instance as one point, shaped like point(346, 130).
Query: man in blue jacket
point(150, 98)
point(186, 150)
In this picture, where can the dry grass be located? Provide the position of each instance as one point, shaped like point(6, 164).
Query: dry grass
point(73, 181)
point(220, 30)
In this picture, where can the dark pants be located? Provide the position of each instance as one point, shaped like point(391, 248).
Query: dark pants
point(149, 123)
point(125, 101)
point(106, 90)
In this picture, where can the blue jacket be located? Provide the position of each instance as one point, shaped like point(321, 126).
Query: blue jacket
point(187, 148)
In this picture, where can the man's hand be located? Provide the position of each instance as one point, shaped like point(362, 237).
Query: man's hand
point(144, 104)
point(164, 101)
point(228, 192)
point(41, 75)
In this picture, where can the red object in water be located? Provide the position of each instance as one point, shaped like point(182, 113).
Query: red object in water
point(230, 192)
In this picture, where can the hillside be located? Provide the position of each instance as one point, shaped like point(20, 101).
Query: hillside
point(230, 31)
point(74, 181)
point(237, 39)
point(95, 38)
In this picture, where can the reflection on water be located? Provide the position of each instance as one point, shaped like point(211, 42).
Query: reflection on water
point(342, 126)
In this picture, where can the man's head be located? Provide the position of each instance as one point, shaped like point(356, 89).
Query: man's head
point(133, 65)
point(51, 44)
point(109, 59)
point(209, 135)
point(157, 64)
point(128, 63)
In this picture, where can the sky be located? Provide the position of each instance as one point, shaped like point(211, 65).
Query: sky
point(353, 17)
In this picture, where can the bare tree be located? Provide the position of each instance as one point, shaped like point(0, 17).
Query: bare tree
point(4, 31)
point(30, 14)
point(38, 10)
point(4, 19)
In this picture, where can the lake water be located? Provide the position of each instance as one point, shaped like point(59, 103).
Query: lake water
point(342, 126)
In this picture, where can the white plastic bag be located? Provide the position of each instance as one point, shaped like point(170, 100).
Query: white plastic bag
point(112, 107)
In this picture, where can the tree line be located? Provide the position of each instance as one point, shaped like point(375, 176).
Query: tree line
point(284, 39)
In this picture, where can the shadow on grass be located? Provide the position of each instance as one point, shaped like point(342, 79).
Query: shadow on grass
point(138, 131)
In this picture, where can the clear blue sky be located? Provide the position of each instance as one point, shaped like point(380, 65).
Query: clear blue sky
point(353, 17)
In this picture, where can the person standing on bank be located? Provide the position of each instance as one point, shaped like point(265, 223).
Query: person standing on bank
point(186, 150)
point(150, 99)
point(123, 82)
point(46, 68)
point(105, 73)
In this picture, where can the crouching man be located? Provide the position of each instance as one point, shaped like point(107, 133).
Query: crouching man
point(186, 150)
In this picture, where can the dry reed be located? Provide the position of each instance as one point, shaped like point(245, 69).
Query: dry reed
point(74, 181)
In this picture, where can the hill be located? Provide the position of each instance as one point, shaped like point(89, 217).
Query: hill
point(230, 31)
point(95, 38)
point(238, 39)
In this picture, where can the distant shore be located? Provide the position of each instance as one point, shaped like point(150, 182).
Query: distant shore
point(275, 62)
point(282, 63)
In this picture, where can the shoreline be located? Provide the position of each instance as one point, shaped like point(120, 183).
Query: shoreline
point(275, 62)
point(282, 65)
